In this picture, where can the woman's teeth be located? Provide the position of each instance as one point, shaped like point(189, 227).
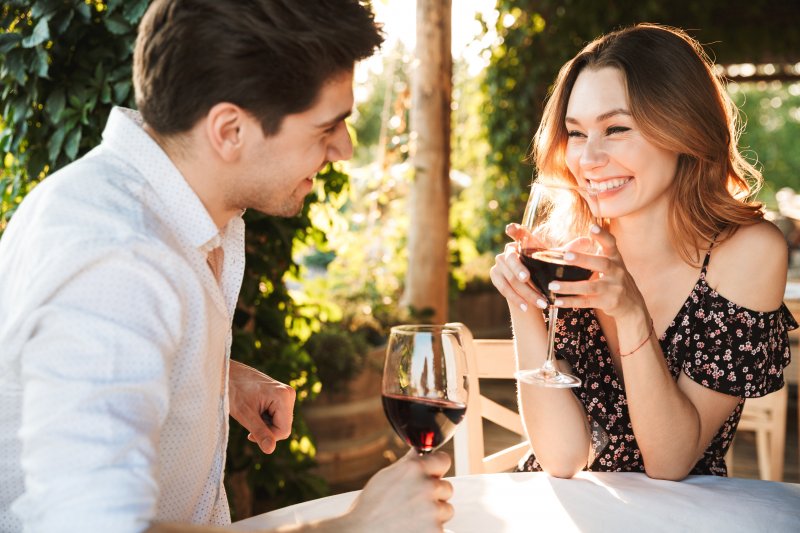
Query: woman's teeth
point(608, 185)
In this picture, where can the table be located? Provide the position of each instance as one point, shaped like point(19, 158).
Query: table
point(592, 501)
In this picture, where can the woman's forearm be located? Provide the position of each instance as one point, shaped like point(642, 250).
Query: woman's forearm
point(673, 424)
point(554, 419)
point(665, 423)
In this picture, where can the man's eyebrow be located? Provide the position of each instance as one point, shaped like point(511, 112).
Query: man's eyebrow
point(601, 117)
point(335, 120)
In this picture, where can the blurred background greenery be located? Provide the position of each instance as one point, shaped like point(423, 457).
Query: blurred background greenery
point(329, 281)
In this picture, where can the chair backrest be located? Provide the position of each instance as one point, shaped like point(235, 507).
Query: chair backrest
point(487, 359)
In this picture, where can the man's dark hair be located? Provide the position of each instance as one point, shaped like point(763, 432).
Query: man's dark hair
point(270, 57)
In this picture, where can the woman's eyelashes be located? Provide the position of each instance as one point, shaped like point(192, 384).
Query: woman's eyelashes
point(617, 129)
point(611, 130)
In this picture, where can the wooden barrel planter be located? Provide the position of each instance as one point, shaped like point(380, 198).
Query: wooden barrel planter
point(350, 429)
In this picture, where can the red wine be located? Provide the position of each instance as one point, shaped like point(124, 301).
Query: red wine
point(549, 265)
point(423, 423)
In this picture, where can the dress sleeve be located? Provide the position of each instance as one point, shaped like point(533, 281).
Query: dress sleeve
point(740, 352)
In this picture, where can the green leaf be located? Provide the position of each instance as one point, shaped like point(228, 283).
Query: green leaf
point(14, 66)
point(20, 108)
point(134, 10)
point(70, 118)
point(37, 159)
point(117, 25)
point(72, 143)
point(40, 62)
point(105, 94)
point(84, 11)
point(121, 90)
point(8, 41)
point(122, 72)
point(6, 139)
point(75, 101)
point(41, 33)
point(61, 23)
point(56, 141)
point(98, 73)
point(55, 105)
point(112, 5)
point(44, 9)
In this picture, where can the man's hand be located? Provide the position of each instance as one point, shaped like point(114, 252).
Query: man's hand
point(253, 393)
point(409, 495)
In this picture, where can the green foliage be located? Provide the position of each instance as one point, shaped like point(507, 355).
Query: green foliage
point(63, 65)
point(772, 111)
point(339, 356)
point(381, 119)
point(361, 287)
point(469, 207)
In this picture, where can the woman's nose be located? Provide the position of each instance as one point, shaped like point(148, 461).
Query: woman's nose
point(593, 154)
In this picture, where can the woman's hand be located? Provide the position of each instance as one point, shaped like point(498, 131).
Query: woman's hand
point(511, 277)
point(611, 289)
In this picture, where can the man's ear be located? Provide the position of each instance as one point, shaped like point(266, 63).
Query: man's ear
point(225, 124)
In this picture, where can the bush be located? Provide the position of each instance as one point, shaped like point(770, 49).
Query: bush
point(338, 355)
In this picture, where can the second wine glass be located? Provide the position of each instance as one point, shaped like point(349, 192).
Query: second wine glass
point(424, 384)
point(556, 221)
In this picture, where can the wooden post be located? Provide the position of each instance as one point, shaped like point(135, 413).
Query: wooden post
point(429, 231)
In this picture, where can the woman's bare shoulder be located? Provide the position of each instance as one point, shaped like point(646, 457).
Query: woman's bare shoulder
point(749, 268)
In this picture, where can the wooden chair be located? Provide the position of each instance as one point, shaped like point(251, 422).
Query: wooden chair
point(486, 359)
point(766, 416)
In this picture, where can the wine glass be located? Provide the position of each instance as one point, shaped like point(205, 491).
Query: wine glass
point(557, 220)
point(424, 384)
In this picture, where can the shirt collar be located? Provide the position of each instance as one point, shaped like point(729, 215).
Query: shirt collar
point(124, 133)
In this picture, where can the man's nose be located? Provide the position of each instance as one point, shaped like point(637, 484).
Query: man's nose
point(341, 146)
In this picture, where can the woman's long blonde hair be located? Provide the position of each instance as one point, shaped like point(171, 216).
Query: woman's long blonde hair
point(681, 105)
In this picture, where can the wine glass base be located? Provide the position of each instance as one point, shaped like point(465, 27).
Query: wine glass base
point(547, 378)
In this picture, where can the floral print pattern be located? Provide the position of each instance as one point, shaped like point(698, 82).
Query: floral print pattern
point(717, 343)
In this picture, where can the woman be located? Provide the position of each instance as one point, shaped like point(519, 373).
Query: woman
point(683, 318)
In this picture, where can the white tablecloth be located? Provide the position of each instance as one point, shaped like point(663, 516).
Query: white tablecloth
point(602, 502)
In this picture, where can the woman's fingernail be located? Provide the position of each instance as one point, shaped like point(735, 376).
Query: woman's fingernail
point(595, 229)
point(553, 286)
point(541, 303)
point(522, 275)
point(558, 302)
point(524, 307)
point(569, 256)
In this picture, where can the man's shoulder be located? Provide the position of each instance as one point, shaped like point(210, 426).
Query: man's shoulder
point(95, 197)
point(95, 207)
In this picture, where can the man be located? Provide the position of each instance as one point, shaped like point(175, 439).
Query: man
point(119, 275)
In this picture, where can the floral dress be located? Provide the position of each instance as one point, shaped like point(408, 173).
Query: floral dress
point(717, 343)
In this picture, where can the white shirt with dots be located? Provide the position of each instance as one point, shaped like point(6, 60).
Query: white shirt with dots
point(114, 345)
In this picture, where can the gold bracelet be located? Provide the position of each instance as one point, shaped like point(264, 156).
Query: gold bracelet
point(649, 334)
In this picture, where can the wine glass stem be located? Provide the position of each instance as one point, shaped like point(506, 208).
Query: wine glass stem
point(549, 363)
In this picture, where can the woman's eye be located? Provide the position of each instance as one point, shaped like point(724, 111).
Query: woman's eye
point(575, 133)
point(617, 129)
